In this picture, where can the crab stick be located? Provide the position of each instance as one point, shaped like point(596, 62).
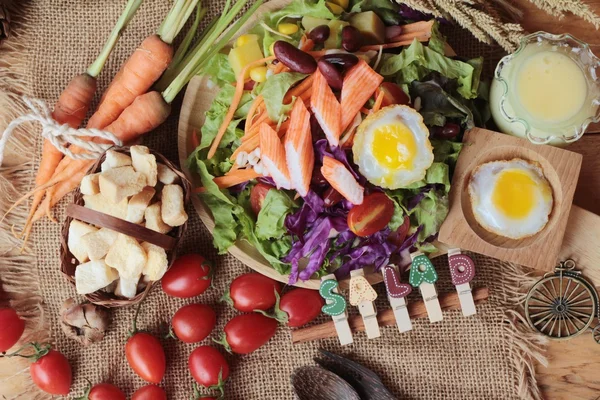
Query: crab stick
point(273, 156)
point(299, 152)
point(359, 85)
point(327, 109)
point(342, 180)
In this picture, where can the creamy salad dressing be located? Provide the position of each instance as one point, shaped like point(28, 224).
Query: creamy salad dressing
point(547, 88)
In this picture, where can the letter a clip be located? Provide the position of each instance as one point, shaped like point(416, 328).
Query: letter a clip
point(362, 295)
point(462, 271)
point(423, 276)
point(335, 308)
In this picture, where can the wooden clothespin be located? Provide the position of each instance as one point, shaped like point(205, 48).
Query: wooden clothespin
point(423, 276)
point(396, 293)
point(362, 295)
point(335, 308)
point(462, 271)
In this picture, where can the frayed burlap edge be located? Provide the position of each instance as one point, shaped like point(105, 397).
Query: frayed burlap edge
point(18, 273)
point(526, 346)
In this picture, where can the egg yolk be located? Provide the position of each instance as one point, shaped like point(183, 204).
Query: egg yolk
point(515, 193)
point(394, 146)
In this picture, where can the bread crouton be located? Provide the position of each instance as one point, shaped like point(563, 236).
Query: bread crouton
point(119, 183)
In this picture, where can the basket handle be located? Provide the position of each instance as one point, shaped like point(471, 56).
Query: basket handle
point(125, 227)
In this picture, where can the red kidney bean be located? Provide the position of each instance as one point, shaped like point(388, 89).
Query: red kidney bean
point(448, 131)
point(294, 58)
point(319, 34)
point(332, 75)
point(331, 197)
point(344, 60)
point(351, 40)
point(318, 178)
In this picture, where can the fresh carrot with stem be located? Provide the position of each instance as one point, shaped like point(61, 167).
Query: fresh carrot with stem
point(144, 66)
point(74, 102)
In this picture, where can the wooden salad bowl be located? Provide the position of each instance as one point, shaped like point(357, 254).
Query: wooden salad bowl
point(198, 98)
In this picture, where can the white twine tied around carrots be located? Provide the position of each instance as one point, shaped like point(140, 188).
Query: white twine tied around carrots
point(59, 135)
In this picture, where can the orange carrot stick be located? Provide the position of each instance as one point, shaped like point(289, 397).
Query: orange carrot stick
point(297, 90)
point(234, 178)
point(378, 102)
point(405, 42)
point(239, 91)
point(255, 105)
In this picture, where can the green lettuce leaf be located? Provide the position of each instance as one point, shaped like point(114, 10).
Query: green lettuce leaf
point(216, 115)
point(275, 207)
point(299, 9)
point(445, 151)
point(416, 61)
point(219, 70)
point(222, 207)
point(437, 105)
point(274, 91)
point(430, 213)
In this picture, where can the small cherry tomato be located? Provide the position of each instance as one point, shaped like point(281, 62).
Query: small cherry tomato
point(12, 328)
point(52, 373)
point(372, 215)
point(257, 196)
point(398, 237)
point(208, 366)
point(105, 391)
point(301, 306)
point(194, 322)
point(247, 332)
point(393, 94)
point(252, 291)
point(149, 392)
point(146, 357)
point(189, 276)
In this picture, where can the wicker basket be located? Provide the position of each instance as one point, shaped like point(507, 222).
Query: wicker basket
point(69, 262)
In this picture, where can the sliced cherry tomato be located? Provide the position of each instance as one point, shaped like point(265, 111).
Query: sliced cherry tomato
point(208, 366)
point(252, 291)
point(398, 237)
point(372, 215)
point(12, 328)
point(257, 196)
point(105, 391)
point(393, 94)
point(146, 357)
point(149, 392)
point(247, 332)
point(194, 322)
point(189, 276)
point(301, 306)
point(52, 373)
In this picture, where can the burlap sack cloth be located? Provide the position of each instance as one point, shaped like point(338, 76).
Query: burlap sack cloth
point(487, 356)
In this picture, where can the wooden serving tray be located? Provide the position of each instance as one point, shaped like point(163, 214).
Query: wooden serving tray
point(460, 229)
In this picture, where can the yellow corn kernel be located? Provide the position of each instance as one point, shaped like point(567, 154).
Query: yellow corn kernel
point(287, 28)
point(271, 48)
point(258, 74)
point(245, 39)
point(334, 8)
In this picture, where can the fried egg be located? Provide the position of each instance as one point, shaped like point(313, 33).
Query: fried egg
point(391, 147)
point(511, 198)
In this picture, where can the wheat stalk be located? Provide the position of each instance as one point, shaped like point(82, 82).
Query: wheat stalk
point(495, 20)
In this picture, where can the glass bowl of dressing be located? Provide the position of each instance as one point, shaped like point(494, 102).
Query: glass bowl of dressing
point(548, 90)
